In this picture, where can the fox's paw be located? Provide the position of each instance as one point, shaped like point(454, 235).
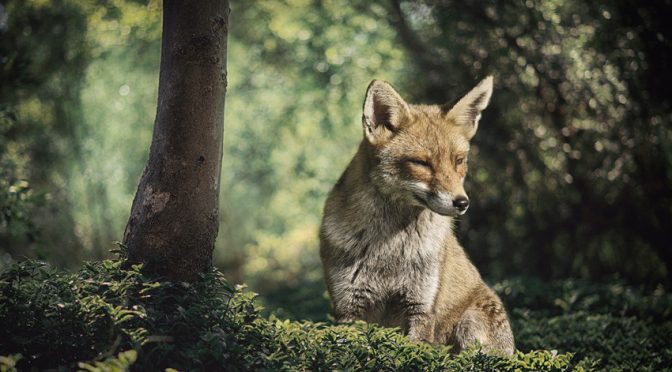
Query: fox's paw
point(422, 330)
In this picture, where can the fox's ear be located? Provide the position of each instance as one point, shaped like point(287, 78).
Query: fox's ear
point(467, 111)
point(384, 111)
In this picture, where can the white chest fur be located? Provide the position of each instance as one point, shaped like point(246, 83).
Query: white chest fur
point(386, 249)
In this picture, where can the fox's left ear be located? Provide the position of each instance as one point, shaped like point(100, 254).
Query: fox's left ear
point(467, 111)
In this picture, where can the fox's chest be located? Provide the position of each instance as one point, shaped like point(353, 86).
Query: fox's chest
point(385, 254)
point(405, 252)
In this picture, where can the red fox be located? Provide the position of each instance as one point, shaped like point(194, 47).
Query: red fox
point(386, 241)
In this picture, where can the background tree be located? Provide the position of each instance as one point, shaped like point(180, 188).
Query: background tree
point(175, 215)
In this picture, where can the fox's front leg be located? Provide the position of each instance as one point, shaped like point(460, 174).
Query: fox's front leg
point(419, 320)
point(352, 304)
point(418, 305)
point(351, 300)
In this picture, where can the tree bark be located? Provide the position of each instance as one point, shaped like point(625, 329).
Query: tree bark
point(175, 215)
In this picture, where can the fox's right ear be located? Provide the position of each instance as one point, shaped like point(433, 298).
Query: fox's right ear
point(384, 111)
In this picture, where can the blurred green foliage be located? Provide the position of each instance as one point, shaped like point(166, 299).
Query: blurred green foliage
point(570, 171)
point(59, 129)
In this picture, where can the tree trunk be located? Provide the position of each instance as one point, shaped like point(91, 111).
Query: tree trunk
point(175, 215)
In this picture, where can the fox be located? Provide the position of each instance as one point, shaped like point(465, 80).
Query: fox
point(387, 245)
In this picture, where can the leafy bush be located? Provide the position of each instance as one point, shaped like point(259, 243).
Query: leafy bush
point(627, 328)
point(106, 317)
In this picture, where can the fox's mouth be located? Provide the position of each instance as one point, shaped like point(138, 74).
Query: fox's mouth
point(420, 200)
point(437, 206)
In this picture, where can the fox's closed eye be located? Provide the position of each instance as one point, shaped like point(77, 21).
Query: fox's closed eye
point(419, 162)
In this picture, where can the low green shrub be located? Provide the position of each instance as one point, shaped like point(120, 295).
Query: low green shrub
point(104, 317)
point(627, 328)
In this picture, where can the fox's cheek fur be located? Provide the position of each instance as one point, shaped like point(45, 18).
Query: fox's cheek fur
point(462, 171)
point(417, 173)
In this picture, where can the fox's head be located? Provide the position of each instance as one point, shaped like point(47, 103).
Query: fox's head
point(421, 151)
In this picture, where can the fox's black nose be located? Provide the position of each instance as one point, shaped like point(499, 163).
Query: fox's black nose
point(461, 203)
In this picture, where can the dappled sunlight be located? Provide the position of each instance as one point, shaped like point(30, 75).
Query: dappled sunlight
point(569, 173)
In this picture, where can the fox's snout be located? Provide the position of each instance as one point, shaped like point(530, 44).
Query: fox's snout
point(442, 200)
point(444, 203)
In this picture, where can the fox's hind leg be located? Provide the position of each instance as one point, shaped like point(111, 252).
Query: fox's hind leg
point(486, 323)
point(469, 330)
